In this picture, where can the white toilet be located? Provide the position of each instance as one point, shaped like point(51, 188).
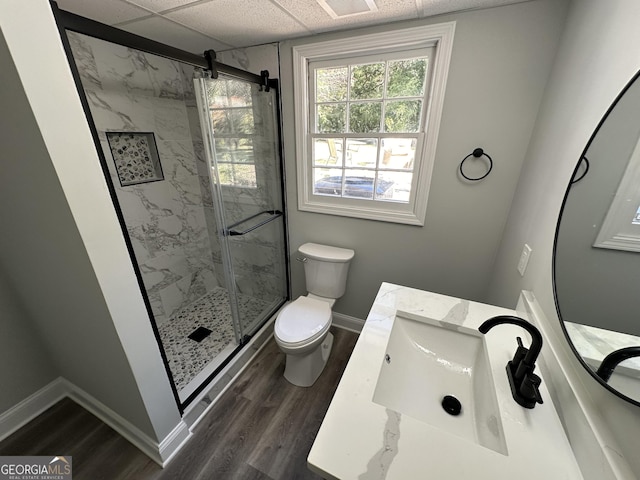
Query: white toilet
point(302, 327)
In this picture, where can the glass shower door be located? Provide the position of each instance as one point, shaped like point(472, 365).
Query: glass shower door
point(241, 131)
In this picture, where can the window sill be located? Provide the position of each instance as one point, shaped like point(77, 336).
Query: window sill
point(365, 213)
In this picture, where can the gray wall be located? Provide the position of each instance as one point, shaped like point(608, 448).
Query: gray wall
point(499, 67)
point(597, 56)
point(27, 366)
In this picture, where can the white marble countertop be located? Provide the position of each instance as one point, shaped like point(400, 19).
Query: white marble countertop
point(360, 439)
point(593, 344)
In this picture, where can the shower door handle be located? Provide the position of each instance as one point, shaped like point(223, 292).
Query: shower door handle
point(273, 214)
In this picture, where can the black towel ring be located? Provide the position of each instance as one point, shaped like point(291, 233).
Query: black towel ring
point(584, 160)
point(477, 153)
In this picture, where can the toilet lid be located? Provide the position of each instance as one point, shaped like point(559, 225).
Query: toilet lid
point(303, 320)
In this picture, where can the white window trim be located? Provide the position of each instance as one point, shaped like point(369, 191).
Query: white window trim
point(440, 35)
point(616, 232)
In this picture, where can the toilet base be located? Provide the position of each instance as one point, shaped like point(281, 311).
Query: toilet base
point(304, 370)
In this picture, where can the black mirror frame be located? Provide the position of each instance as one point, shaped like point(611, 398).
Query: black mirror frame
point(555, 245)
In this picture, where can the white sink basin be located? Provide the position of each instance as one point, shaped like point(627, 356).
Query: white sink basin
point(428, 359)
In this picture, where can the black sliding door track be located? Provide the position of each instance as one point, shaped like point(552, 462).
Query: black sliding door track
point(76, 23)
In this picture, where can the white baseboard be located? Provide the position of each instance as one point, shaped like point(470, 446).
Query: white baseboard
point(174, 442)
point(34, 405)
point(160, 453)
point(346, 322)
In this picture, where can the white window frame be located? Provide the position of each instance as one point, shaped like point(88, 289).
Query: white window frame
point(439, 36)
point(617, 231)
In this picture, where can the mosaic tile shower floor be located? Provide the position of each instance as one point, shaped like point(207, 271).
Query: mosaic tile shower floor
point(187, 357)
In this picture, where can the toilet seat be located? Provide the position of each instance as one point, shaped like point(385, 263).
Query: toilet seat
point(302, 321)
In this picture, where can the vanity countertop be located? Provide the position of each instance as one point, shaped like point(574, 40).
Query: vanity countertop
point(593, 344)
point(360, 439)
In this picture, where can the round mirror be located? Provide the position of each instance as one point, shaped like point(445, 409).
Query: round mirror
point(597, 250)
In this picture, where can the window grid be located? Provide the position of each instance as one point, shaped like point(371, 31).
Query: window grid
point(228, 112)
point(379, 136)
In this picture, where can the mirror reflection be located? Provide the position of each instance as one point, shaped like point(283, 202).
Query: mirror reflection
point(597, 251)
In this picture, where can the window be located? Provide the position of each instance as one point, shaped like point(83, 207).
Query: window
point(367, 115)
point(365, 121)
point(231, 110)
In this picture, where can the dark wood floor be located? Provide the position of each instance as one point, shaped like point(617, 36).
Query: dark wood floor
point(261, 428)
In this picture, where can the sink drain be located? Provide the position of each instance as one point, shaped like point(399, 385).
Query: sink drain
point(451, 405)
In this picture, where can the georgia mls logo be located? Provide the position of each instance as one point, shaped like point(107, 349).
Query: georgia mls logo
point(63, 465)
point(35, 468)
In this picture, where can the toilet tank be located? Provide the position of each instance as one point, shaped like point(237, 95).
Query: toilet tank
point(325, 269)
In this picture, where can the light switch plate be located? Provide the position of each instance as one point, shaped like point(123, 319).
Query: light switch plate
point(524, 259)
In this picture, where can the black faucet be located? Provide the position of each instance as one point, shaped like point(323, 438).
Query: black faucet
point(612, 360)
point(524, 383)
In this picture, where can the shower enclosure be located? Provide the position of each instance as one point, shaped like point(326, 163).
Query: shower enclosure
point(193, 165)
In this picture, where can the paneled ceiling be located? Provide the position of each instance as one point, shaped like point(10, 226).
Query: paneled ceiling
point(199, 25)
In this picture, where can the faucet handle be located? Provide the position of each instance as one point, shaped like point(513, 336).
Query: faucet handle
point(519, 355)
point(529, 388)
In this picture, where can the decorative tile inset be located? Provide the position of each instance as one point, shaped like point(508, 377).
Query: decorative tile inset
point(136, 158)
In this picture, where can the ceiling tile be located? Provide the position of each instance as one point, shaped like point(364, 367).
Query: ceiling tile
point(170, 33)
point(241, 24)
point(109, 12)
point(318, 20)
point(161, 5)
point(437, 7)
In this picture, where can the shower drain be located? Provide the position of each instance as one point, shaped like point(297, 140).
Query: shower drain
point(200, 334)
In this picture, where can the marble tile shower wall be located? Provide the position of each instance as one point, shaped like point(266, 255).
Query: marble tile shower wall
point(170, 222)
